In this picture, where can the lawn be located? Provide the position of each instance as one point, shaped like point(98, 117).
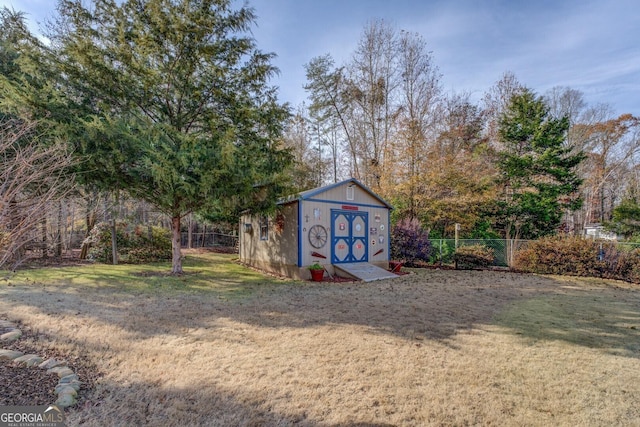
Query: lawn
point(224, 345)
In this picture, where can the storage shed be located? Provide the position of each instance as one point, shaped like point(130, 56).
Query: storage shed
point(339, 225)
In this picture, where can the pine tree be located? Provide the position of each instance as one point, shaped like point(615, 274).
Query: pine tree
point(537, 169)
point(174, 103)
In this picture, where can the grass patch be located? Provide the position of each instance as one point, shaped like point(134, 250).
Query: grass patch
point(203, 273)
point(587, 312)
point(224, 345)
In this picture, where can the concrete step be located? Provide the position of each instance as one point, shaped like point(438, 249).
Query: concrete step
point(363, 271)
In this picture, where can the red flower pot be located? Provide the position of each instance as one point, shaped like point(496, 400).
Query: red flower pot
point(317, 275)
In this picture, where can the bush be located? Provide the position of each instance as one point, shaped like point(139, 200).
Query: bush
point(633, 272)
point(579, 257)
point(560, 255)
point(443, 253)
point(410, 242)
point(474, 256)
point(99, 240)
point(144, 248)
point(622, 264)
point(135, 248)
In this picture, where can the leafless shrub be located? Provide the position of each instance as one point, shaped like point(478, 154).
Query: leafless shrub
point(33, 175)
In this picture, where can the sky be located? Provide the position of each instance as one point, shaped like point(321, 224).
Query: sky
point(589, 45)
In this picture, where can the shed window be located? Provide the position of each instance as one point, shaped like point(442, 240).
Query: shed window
point(351, 192)
point(264, 228)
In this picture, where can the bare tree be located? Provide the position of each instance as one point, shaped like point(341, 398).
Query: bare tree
point(33, 177)
point(612, 148)
point(330, 106)
point(565, 102)
point(371, 83)
point(496, 100)
point(297, 138)
point(338, 153)
point(419, 95)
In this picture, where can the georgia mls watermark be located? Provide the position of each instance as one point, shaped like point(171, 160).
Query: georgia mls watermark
point(32, 416)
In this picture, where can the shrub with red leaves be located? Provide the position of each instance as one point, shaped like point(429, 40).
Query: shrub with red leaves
point(410, 242)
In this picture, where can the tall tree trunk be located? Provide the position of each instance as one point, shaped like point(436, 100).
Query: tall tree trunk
point(43, 231)
point(90, 221)
point(114, 242)
point(176, 266)
point(69, 232)
point(59, 231)
point(190, 234)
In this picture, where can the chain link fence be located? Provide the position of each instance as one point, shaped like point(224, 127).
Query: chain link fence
point(198, 240)
point(209, 240)
point(504, 250)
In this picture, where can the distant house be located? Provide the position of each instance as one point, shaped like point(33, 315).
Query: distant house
point(340, 224)
point(597, 231)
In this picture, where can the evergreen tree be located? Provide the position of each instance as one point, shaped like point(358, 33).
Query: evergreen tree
point(175, 103)
point(626, 218)
point(537, 169)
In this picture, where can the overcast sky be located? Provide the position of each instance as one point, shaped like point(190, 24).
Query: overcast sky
point(589, 45)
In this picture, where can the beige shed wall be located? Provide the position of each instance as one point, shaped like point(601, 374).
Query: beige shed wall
point(339, 194)
point(336, 198)
point(279, 252)
point(373, 241)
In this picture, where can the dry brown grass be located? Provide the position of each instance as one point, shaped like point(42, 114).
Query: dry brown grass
point(431, 348)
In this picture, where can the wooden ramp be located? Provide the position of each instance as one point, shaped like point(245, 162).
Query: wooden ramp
point(363, 271)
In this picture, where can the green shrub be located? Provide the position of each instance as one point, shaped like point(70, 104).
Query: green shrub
point(442, 251)
point(135, 247)
point(473, 256)
point(144, 248)
point(99, 240)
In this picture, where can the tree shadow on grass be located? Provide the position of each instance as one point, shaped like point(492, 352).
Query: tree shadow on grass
point(605, 318)
point(139, 403)
point(429, 304)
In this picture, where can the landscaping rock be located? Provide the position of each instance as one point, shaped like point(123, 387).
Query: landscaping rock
point(66, 389)
point(65, 400)
point(9, 354)
point(28, 360)
point(11, 336)
point(74, 385)
point(6, 324)
point(51, 363)
point(68, 384)
point(69, 378)
point(61, 371)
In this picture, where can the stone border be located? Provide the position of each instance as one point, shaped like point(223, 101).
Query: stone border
point(69, 383)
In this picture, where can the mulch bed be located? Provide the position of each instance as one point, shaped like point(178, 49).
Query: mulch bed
point(336, 279)
point(21, 386)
